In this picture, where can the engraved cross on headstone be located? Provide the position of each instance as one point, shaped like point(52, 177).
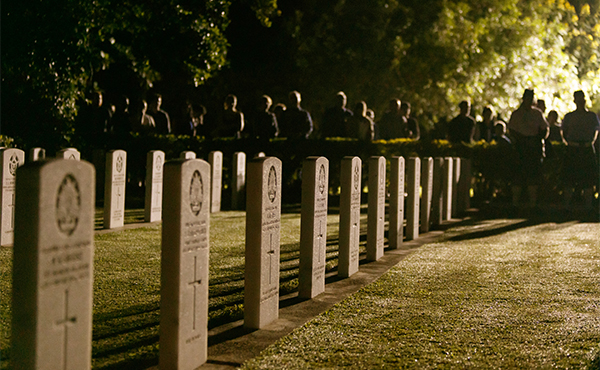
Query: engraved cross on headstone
point(66, 322)
point(195, 284)
point(271, 253)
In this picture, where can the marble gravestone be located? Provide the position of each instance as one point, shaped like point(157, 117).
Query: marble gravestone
point(36, 154)
point(69, 153)
point(351, 189)
point(376, 209)
point(10, 159)
point(53, 266)
point(263, 220)
point(413, 185)
point(114, 189)
point(313, 227)
point(216, 166)
point(447, 188)
point(187, 155)
point(437, 198)
point(184, 265)
point(396, 234)
point(238, 180)
point(456, 179)
point(155, 160)
point(426, 193)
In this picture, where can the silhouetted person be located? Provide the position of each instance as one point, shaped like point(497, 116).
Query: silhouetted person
point(500, 134)
point(541, 105)
point(411, 124)
point(161, 118)
point(462, 127)
point(231, 123)
point(195, 120)
point(484, 129)
point(392, 124)
point(295, 123)
point(360, 126)
point(121, 119)
point(555, 128)
point(580, 131)
point(527, 128)
point(93, 121)
point(335, 118)
point(264, 123)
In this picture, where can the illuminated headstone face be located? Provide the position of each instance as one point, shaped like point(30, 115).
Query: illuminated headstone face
point(154, 185)
point(313, 234)
point(263, 220)
point(427, 193)
point(53, 324)
point(215, 159)
point(114, 189)
point(10, 160)
point(376, 210)
point(187, 155)
point(396, 234)
point(413, 184)
point(184, 264)
point(351, 174)
point(69, 153)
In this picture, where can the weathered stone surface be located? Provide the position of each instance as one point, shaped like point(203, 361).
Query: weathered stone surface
point(69, 153)
point(456, 175)
point(396, 234)
point(216, 166)
point(376, 209)
point(437, 199)
point(35, 154)
point(349, 253)
point(426, 193)
point(313, 234)
point(447, 190)
point(413, 184)
point(187, 155)
point(10, 160)
point(155, 161)
point(114, 189)
point(238, 180)
point(263, 220)
point(53, 266)
point(184, 264)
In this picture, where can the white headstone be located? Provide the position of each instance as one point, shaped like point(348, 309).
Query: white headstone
point(53, 266)
point(447, 190)
point(69, 153)
point(263, 220)
point(184, 264)
point(349, 252)
point(238, 180)
point(216, 166)
point(396, 234)
point(437, 198)
point(10, 159)
point(187, 155)
point(155, 161)
point(35, 154)
point(413, 185)
point(456, 175)
point(114, 189)
point(313, 234)
point(376, 209)
point(426, 193)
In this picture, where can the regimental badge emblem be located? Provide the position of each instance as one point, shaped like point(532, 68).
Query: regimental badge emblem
point(72, 157)
point(322, 185)
point(356, 178)
point(68, 205)
point(272, 184)
point(196, 193)
point(13, 164)
point(159, 163)
point(119, 164)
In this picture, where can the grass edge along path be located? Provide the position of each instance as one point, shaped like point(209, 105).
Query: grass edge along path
point(524, 298)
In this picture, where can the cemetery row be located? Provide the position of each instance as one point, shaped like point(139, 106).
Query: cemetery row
point(53, 244)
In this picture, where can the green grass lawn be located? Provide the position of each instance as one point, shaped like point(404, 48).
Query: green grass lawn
point(127, 284)
point(494, 294)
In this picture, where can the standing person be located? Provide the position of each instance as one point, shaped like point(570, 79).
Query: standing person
point(392, 124)
point(93, 122)
point(335, 118)
point(580, 131)
point(231, 123)
point(295, 123)
point(555, 128)
point(264, 123)
point(484, 129)
point(411, 124)
point(360, 126)
point(462, 127)
point(528, 129)
point(161, 118)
